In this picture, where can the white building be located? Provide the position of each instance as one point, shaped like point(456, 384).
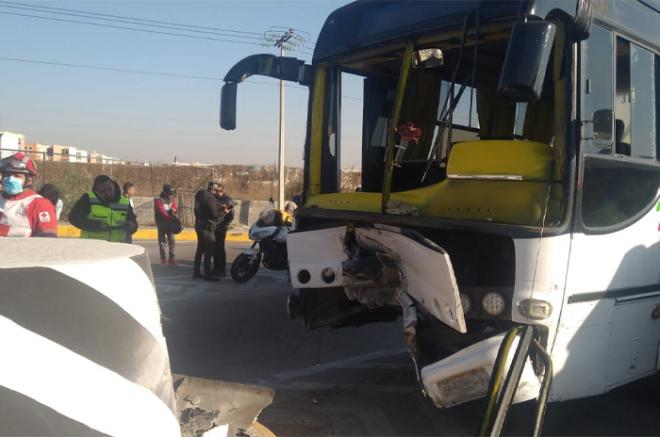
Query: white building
point(82, 156)
point(70, 152)
point(37, 151)
point(10, 143)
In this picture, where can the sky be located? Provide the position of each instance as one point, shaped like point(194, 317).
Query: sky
point(155, 118)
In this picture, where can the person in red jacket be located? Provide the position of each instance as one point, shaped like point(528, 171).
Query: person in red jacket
point(165, 209)
point(23, 212)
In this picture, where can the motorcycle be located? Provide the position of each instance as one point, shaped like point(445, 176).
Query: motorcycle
point(269, 247)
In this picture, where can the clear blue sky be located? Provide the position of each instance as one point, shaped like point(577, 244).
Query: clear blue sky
point(142, 117)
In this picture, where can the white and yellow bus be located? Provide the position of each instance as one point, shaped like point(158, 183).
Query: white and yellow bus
point(510, 178)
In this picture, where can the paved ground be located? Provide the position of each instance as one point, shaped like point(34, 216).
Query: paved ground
point(354, 381)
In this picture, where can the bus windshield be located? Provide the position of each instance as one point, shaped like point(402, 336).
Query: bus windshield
point(439, 140)
point(450, 97)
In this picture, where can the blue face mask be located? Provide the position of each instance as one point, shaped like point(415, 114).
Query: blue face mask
point(12, 185)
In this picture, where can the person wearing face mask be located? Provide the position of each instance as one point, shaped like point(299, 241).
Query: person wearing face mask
point(103, 213)
point(23, 212)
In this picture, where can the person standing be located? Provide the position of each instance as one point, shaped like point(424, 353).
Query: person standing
point(226, 205)
point(128, 190)
point(23, 213)
point(165, 209)
point(50, 192)
point(103, 213)
point(207, 217)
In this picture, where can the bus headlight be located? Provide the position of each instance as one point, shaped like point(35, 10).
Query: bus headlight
point(466, 303)
point(493, 304)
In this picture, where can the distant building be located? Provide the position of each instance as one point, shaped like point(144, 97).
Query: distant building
point(10, 143)
point(37, 151)
point(95, 158)
point(62, 153)
point(82, 156)
point(70, 154)
point(190, 164)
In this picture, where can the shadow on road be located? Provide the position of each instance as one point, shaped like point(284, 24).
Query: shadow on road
point(353, 381)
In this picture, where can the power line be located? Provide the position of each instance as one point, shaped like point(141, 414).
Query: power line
point(149, 73)
point(119, 70)
point(180, 27)
point(143, 20)
point(65, 20)
point(131, 21)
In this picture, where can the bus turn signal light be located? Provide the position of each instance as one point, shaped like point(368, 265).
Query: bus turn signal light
point(535, 308)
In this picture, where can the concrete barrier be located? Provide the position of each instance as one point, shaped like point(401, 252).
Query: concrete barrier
point(84, 351)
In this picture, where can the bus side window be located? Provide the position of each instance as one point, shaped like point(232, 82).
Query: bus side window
point(598, 85)
point(350, 132)
point(622, 103)
point(657, 106)
point(618, 188)
point(635, 101)
point(643, 96)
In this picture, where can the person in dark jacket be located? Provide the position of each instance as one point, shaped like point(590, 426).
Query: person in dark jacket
point(50, 192)
point(165, 209)
point(207, 217)
point(103, 213)
point(226, 205)
point(129, 190)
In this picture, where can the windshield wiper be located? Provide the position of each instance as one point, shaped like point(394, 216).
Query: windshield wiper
point(445, 120)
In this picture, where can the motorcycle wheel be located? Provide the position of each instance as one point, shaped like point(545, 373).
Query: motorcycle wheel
point(242, 269)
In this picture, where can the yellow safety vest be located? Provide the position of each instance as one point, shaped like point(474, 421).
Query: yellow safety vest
point(114, 214)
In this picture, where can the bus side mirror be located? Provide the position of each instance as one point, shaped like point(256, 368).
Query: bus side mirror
point(603, 121)
point(228, 106)
point(526, 61)
point(283, 68)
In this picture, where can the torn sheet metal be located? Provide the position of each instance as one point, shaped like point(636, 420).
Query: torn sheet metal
point(204, 405)
point(428, 275)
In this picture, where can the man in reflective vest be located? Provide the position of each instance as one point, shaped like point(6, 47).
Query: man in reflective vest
point(104, 213)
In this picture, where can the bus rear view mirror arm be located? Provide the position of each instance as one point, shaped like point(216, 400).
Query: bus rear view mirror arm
point(228, 106)
point(283, 68)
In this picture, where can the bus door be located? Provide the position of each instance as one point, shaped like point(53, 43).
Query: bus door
point(610, 324)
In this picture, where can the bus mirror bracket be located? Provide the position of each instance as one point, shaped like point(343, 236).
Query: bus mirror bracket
point(283, 68)
point(526, 61)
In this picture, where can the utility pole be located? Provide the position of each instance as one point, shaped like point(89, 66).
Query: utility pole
point(284, 39)
point(280, 161)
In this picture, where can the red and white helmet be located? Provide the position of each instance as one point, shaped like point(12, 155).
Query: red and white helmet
point(18, 163)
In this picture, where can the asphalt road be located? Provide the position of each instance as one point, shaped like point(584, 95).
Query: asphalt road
point(352, 381)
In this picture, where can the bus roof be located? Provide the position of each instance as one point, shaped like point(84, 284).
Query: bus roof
point(367, 23)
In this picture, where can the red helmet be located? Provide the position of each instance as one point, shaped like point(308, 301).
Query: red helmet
point(18, 163)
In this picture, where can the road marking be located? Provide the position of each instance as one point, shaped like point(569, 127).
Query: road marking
point(304, 386)
point(346, 363)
